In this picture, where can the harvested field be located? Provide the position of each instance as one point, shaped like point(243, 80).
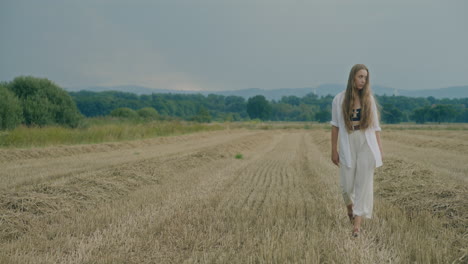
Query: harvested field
point(188, 199)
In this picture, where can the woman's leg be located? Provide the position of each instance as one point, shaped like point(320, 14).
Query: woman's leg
point(348, 177)
point(364, 184)
point(350, 213)
point(347, 184)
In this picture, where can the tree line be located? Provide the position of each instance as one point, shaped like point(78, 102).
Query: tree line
point(38, 102)
point(393, 109)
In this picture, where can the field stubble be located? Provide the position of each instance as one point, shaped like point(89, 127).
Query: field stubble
point(189, 200)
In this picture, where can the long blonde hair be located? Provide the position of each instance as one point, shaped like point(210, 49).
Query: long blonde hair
point(365, 96)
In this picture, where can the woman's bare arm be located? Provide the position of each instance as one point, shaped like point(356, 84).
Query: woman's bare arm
point(377, 134)
point(334, 142)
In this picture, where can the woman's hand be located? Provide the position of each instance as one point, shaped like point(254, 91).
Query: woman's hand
point(335, 158)
point(377, 135)
point(334, 150)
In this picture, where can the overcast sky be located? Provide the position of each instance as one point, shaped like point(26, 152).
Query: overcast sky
point(235, 44)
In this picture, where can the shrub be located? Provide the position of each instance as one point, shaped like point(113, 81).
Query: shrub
point(44, 102)
point(11, 113)
point(148, 113)
point(124, 112)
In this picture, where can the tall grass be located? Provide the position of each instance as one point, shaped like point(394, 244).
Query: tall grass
point(98, 131)
point(426, 126)
point(271, 125)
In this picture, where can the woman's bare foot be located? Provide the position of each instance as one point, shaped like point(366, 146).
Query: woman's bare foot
point(350, 212)
point(356, 232)
point(357, 225)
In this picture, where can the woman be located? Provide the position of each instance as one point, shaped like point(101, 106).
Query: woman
point(355, 121)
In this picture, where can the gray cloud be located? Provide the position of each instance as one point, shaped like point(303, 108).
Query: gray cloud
point(220, 45)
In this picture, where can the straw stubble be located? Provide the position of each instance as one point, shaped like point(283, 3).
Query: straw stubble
point(192, 201)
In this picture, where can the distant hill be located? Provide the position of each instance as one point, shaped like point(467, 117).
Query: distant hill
point(276, 94)
point(125, 88)
point(450, 92)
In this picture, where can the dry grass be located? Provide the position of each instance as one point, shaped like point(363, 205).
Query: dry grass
point(425, 176)
point(189, 200)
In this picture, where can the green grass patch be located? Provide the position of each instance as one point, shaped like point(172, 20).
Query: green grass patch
point(239, 156)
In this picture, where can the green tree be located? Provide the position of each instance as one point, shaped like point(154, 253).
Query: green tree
point(306, 112)
point(281, 111)
point(11, 113)
point(38, 110)
point(420, 115)
point(202, 116)
point(310, 99)
point(235, 104)
point(442, 113)
point(258, 107)
point(464, 116)
point(292, 100)
point(323, 116)
point(44, 102)
point(391, 114)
